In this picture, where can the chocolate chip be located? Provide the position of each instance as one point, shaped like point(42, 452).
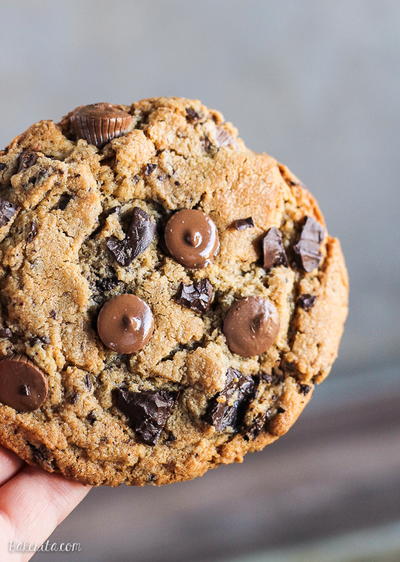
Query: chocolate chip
point(40, 453)
point(26, 159)
point(306, 301)
point(147, 411)
point(197, 296)
point(33, 230)
point(304, 388)
point(170, 437)
point(5, 333)
point(16, 375)
point(139, 236)
point(227, 408)
point(192, 115)
point(177, 183)
point(273, 249)
point(2, 166)
point(149, 169)
point(243, 224)
point(280, 410)
point(7, 211)
point(88, 382)
point(53, 314)
point(307, 250)
point(63, 201)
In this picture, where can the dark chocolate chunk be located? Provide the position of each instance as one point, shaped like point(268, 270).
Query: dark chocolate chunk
point(306, 301)
point(280, 410)
point(33, 230)
point(242, 224)
point(307, 250)
point(273, 249)
point(62, 204)
point(7, 211)
point(197, 296)
point(149, 169)
point(5, 333)
point(305, 388)
point(192, 115)
point(227, 408)
point(40, 453)
point(259, 423)
point(139, 236)
point(2, 166)
point(91, 417)
point(147, 411)
point(26, 159)
point(272, 378)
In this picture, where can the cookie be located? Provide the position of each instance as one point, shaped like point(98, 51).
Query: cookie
point(168, 297)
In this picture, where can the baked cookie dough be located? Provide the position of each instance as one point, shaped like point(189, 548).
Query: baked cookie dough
point(169, 298)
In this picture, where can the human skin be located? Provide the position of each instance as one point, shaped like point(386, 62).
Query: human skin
point(32, 504)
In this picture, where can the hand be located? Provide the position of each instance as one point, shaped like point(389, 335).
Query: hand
point(32, 504)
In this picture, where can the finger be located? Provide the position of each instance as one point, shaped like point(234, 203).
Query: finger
point(34, 502)
point(10, 464)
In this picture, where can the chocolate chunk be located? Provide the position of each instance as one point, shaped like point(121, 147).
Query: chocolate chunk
point(191, 237)
point(139, 236)
point(273, 249)
point(23, 386)
point(227, 408)
point(280, 410)
point(5, 333)
point(7, 211)
point(40, 453)
point(26, 159)
point(37, 178)
point(259, 423)
point(106, 284)
point(91, 417)
point(306, 301)
point(242, 224)
point(125, 323)
point(53, 314)
point(62, 204)
point(304, 388)
point(147, 411)
point(307, 250)
point(149, 169)
point(33, 230)
point(192, 115)
point(197, 296)
point(272, 378)
point(2, 166)
point(99, 123)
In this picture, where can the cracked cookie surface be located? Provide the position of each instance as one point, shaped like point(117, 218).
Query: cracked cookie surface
point(82, 224)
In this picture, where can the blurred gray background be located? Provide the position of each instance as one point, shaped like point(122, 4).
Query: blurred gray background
point(317, 84)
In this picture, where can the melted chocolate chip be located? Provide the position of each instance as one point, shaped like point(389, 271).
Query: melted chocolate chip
point(243, 224)
point(33, 230)
point(304, 388)
point(149, 169)
point(139, 236)
point(306, 301)
point(273, 249)
point(147, 411)
point(197, 296)
point(307, 250)
point(26, 159)
point(227, 408)
point(23, 386)
point(7, 211)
